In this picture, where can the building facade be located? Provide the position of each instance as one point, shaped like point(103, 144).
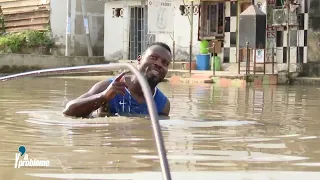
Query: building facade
point(21, 15)
point(213, 20)
point(126, 30)
point(276, 35)
point(58, 24)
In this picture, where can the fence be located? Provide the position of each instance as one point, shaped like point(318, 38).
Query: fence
point(272, 56)
point(249, 55)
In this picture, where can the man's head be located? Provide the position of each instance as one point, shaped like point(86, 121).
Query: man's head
point(154, 62)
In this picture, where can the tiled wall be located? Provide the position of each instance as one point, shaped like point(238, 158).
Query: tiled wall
point(298, 38)
point(230, 36)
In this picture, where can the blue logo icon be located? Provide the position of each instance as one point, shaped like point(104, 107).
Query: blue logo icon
point(26, 162)
point(22, 150)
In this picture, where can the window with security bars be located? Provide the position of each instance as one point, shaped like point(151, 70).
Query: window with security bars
point(211, 23)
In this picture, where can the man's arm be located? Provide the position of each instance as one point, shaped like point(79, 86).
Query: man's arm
point(88, 102)
point(166, 109)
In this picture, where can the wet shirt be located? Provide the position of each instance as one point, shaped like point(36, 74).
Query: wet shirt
point(126, 104)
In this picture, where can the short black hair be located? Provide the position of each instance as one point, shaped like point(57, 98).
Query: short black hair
point(164, 45)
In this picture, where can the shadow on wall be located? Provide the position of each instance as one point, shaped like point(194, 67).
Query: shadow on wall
point(311, 69)
point(95, 13)
point(82, 49)
point(314, 32)
point(314, 13)
point(116, 56)
point(182, 55)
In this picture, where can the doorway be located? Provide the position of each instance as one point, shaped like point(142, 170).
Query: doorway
point(138, 32)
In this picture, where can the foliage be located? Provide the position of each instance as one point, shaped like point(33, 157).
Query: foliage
point(2, 21)
point(13, 42)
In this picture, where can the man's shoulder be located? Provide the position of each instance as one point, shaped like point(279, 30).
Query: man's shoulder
point(162, 101)
point(160, 93)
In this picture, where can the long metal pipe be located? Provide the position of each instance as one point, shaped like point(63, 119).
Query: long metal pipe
point(146, 91)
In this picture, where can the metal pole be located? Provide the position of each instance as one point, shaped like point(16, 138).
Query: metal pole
point(288, 36)
point(213, 70)
point(264, 61)
point(86, 26)
point(191, 36)
point(272, 58)
point(239, 60)
point(210, 60)
point(146, 92)
point(68, 29)
point(254, 61)
point(173, 49)
point(173, 52)
point(248, 56)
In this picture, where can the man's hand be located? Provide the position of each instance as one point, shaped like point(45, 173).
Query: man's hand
point(115, 87)
point(97, 96)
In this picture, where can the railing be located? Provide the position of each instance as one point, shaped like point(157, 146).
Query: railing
point(146, 91)
point(250, 57)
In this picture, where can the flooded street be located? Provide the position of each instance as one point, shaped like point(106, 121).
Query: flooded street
point(214, 133)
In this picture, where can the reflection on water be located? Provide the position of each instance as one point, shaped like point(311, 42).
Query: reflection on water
point(222, 130)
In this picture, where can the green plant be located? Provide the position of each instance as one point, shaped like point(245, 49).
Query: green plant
point(13, 42)
point(38, 39)
point(3, 27)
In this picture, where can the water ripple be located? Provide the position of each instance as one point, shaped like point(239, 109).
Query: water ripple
point(210, 129)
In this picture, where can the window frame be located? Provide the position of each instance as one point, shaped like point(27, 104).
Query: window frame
point(202, 25)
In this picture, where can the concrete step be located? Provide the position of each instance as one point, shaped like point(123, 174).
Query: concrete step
point(243, 66)
point(258, 69)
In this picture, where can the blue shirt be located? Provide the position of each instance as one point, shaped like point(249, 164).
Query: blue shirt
point(128, 105)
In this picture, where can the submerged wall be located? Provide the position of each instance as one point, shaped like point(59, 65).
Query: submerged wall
point(15, 63)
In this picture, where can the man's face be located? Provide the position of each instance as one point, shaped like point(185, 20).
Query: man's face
point(154, 64)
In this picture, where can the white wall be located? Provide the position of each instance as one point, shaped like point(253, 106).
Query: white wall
point(116, 32)
point(182, 33)
point(58, 19)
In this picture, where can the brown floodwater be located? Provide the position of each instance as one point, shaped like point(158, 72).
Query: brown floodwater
point(266, 133)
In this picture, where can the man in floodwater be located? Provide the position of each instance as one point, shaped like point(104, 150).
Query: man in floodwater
point(124, 96)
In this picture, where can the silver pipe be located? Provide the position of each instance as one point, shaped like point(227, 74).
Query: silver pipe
point(146, 91)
